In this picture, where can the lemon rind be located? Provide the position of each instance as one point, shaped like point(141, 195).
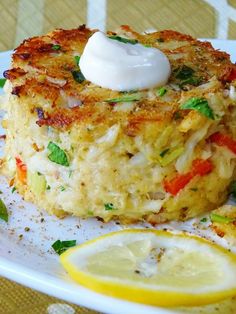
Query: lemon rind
point(140, 294)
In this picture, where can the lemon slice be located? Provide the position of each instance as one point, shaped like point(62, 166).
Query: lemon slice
point(154, 267)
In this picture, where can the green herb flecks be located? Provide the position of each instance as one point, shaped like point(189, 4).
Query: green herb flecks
point(70, 173)
point(109, 206)
point(56, 47)
point(13, 189)
point(232, 189)
point(124, 40)
point(2, 82)
point(130, 92)
point(184, 72)
point(186, 76)
point(48, 188)
point(61, 246)
point(164, 152)
point(63, 188)
point(191, 80)
point(57, 155)
point(204, 219)
point(3, 211)
point(199, 104)
point(78, 76)
point(168, 156)
point(77, 59)
point(125, 98)
point(221, 219)
point(177, 115)
point(161, 91)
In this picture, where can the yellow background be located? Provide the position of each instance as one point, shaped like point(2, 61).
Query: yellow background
point(20, 19)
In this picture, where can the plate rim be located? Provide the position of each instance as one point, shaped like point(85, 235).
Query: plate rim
point(61, 289)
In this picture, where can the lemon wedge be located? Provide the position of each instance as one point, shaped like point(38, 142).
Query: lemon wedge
point(154, 267)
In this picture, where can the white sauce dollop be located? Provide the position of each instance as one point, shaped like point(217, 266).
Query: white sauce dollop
point(122, 66)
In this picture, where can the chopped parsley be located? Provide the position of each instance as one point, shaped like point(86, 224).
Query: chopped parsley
point(57, 155)
point(48, 187)
point(186, 76)
point(129, 92)
point(161, 91)
point(192, 81)
point(124, 40)
point(221, 219)
point(3, 211)
point(177, 115)
point(125, 98)
point(77, 59)
point(194, 189)
point(63, 188)
point(78, 76)
point(204, 219)
point(61, 246)
point(184, 72)
point(109, 206)
point(199, 104)
point(13, 189)
point(232, 189)
point(2, 82)
point(164, 152)
point(56, 47)
point(70, 173)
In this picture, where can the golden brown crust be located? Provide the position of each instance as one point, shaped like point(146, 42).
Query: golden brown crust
point(45, 75)
point(62, 118)
point(14, 73)
point(120, 153)
point(225, 229)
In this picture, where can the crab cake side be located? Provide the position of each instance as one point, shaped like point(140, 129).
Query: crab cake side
point(73, 147)
point(224, 223)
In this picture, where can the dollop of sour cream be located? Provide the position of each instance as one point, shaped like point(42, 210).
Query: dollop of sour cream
point(123, 66)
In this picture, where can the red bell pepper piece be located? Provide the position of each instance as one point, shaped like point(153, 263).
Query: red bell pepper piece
point(21, 170)
point(177, 183)
point(224, 140)
point(199, 167)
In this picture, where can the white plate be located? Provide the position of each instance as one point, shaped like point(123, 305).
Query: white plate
point(30, 260)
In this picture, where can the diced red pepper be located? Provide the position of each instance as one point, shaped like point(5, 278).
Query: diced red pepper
point(224, 140)
point(178, 183)
point(232, 75)
point(199, 167)
point(21, 170)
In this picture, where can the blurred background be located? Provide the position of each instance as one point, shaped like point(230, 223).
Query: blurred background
point(201, 18)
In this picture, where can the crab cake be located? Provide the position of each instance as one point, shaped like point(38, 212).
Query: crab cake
point(157, 154)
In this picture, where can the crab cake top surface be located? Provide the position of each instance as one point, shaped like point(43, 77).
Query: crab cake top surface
point(46, 76)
